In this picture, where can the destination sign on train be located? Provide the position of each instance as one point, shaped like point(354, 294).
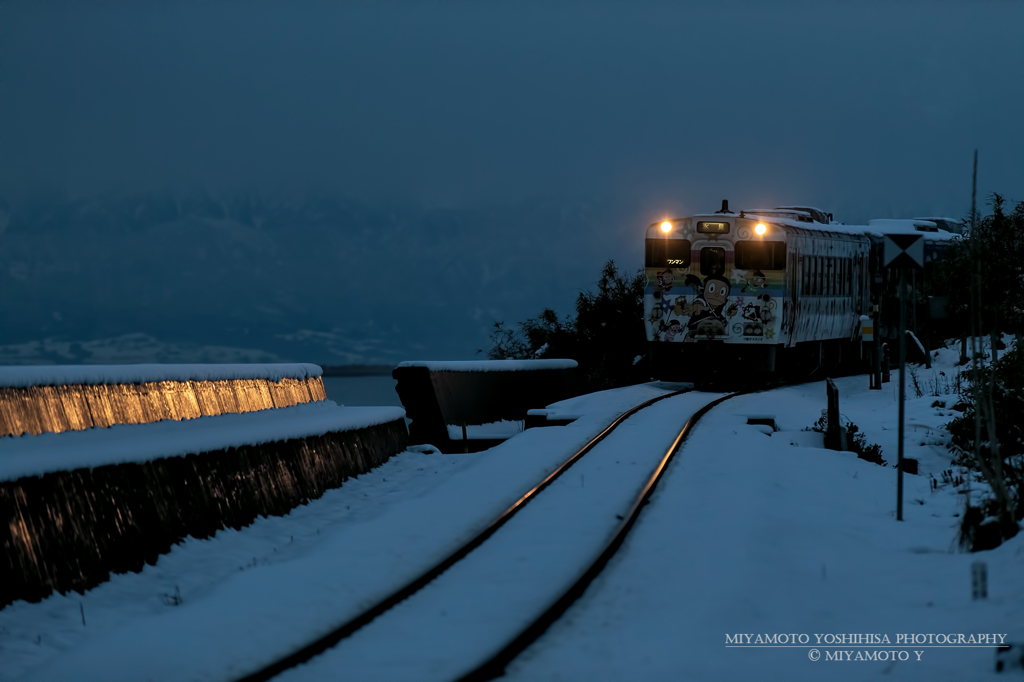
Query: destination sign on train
point(713, 228)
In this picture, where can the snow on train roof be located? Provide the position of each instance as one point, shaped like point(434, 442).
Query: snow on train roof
point(941, 218)
point(930, 231)
point(876, 227)
point(59, 375)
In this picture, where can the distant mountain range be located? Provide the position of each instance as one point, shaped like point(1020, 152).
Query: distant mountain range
point(243, 278)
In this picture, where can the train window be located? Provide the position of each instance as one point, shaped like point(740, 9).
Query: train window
point(667, 253)
point(831, 277)
point(805, 276)
point(712, 260)
point(758, 255)
point(819, 270)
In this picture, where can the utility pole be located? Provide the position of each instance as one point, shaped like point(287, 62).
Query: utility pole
point(975, 315)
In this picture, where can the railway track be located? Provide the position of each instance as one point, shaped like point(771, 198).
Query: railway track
point(502, 564)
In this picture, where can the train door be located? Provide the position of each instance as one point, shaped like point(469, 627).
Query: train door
point(712, 260)
point(715, 260)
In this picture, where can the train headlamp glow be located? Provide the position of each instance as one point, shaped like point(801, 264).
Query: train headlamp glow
point(666, 227)
point(760, 228)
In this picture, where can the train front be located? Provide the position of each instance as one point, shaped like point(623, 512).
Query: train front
point(713, 296)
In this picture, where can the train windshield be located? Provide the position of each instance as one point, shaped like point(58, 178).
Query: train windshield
point(667, 253)
point(760, 255)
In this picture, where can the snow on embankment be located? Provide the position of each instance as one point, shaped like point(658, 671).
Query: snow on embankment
point(74, 397)
point(138, 443)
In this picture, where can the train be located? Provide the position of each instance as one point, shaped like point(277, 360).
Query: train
point(771, 293)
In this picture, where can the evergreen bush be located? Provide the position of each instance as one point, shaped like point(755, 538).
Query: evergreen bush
point(606, 336)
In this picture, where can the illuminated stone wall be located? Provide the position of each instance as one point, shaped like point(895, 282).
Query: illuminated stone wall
point(53, 409)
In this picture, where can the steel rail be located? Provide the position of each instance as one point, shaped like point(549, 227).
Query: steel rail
point(330, 639)
point(495, 665)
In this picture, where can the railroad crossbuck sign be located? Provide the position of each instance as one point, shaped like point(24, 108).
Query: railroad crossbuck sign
point(903, 251)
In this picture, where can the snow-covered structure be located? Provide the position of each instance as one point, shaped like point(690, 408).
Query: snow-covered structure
point(104, 468)
point(444, 399)
point(53, 399)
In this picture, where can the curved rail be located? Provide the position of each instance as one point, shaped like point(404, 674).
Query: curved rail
point(350, 627)
point(495, 665)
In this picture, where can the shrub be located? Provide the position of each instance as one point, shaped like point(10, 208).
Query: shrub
point(856, 441)
point(606, 337)
point(1000, 455)
point(1008, 399)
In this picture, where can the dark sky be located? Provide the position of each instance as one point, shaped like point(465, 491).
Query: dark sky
point(864, 107)
point(564, 127)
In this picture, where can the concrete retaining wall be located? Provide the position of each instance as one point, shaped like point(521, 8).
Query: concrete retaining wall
point(70, 530)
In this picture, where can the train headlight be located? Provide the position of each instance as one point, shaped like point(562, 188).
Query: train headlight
point(666, 227)
point(760, 228)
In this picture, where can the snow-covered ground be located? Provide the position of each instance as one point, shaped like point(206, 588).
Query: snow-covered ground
point(757, 534)
point(250, 596)
point(24, 456)
point(485, 600)
point(750, 533)
point(497, 430)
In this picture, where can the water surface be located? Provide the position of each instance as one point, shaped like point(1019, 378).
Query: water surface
point(359, 391)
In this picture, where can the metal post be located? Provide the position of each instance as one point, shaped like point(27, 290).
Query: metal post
point(913, 301)
point(878, 346)
point(927, 334)
point(903, 375)
point(979, 581)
